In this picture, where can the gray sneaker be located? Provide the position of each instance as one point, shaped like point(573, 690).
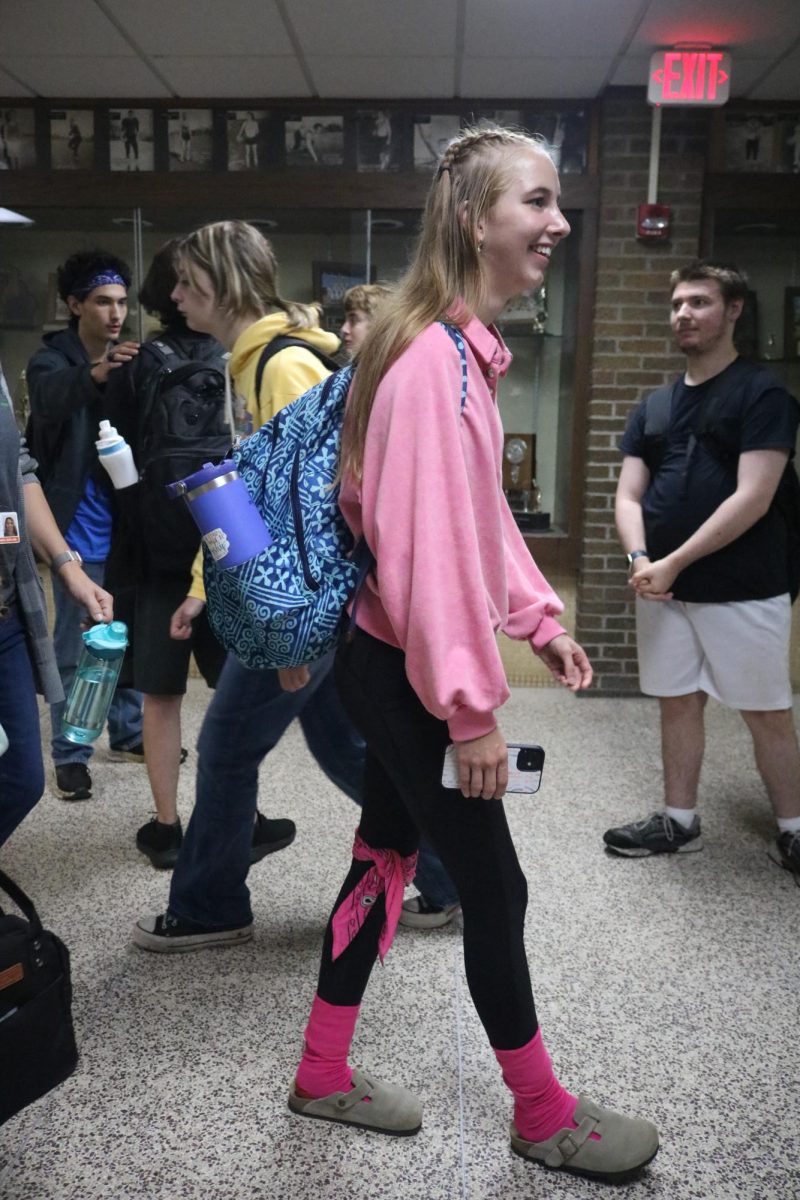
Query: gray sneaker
point(657, 834)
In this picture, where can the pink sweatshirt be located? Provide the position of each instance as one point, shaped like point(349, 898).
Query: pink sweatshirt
point(452, 566)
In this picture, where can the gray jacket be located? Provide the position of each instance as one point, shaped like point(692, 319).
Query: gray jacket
point(17, 469)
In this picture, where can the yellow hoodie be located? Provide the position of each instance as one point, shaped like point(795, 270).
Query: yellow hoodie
point(286, 376)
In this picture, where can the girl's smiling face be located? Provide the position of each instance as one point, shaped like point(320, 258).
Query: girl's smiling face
point(523, 228)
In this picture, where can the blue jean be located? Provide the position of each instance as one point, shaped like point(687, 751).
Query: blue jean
point(247, 717)
point(125, 714)
point(21, 768)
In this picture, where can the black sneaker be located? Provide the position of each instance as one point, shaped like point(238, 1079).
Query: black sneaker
point(786, 853)
point(131, 754)
point(73, 781)
point(269, 836)
point(135, 754)
point(657, 834)
point(161, 843)
point(166, 934)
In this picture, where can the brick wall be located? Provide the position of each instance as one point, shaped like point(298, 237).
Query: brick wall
point(632, 351)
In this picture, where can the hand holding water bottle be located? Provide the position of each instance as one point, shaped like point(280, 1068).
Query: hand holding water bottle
point(99, 603)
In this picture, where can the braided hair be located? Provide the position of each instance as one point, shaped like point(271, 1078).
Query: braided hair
point(445, 275)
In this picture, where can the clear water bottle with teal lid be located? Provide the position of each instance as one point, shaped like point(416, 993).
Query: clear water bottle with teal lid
point(95, 682)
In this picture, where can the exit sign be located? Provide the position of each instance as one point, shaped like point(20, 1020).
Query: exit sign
point(689, 77)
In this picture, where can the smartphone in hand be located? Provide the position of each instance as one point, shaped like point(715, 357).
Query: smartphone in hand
point(525, 766)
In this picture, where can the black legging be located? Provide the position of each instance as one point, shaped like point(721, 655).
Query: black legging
point(403, 795)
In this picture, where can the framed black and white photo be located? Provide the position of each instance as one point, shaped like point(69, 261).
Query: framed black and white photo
point(190, 138)
point(17, 139)
point(379, 140)
point(247, 135)
point(130, 139)
point(749, 141)
point(71, 139)
point(311, 141)
point(433, 133)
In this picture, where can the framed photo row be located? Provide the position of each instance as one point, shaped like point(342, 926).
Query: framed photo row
point(761, 140)
point(143, 138)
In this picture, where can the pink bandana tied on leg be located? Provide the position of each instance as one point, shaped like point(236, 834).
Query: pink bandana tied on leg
point(389, 873)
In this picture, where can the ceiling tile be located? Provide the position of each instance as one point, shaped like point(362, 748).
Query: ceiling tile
point(88, 76)
point(10, 87)
point(199, 27)
point(238, 77)
point(782, 83)
point(57, 27)
point(396, 28)
point(520, 28)
point(363, 76)
point(538, 78)
point(765, 27)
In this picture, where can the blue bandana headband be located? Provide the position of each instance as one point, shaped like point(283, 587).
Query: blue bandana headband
point(101, 280)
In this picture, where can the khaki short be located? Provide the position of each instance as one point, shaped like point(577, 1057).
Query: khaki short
point(736, 652)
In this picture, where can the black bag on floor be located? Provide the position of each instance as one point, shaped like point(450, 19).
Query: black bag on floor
point(37, 1041)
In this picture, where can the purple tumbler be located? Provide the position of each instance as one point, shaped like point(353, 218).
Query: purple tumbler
point(233, 529)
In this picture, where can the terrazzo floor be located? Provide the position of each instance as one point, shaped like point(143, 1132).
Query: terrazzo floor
point(668, 987)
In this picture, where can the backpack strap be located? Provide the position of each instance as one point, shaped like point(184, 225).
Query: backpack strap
point(455, 335)
point(362, 553)
point(167, 359)
point(658, 410)
point(23, 903)
point(283, 342)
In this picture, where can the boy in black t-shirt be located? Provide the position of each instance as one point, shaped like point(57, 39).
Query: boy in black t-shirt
point(708, 553)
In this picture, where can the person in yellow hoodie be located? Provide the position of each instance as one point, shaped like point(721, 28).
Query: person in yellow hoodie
point(227, 287)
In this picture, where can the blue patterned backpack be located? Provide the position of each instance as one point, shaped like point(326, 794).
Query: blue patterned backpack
point(283, 608)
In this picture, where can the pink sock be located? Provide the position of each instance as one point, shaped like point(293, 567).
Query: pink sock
point(323, 1068)
point(541, 1105)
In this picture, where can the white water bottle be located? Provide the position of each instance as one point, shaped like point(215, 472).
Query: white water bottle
point(116, 456)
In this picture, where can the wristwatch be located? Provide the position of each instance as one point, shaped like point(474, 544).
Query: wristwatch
point(634, 554)
point(65, 557)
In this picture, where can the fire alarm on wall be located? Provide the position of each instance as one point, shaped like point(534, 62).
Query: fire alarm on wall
point(653, 222)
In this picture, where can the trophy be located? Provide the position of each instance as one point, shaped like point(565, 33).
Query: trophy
point(522, 491)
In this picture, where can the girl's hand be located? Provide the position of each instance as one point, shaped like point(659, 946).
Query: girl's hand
point(567, 662)
point(292, 679)
point(483, 766)
point(180, 626)
point(99, 604)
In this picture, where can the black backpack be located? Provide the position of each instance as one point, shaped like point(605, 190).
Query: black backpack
point(710, 433)
point(182, 426)
point(37, 1041)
